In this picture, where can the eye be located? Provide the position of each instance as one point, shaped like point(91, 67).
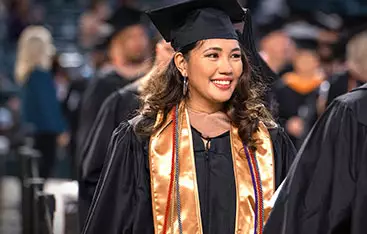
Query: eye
point(212, 55)
point(236, 55)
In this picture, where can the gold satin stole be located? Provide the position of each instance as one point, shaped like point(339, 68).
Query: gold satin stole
point(250, 216)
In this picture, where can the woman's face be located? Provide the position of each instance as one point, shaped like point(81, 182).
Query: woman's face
point(213, 69)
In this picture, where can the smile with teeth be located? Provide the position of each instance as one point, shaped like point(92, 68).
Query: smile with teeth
point(222, 82)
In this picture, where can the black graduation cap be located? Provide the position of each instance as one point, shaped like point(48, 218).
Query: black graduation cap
point(188, 22)
point(123, 17)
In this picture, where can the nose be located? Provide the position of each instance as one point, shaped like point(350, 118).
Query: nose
point(225, 66)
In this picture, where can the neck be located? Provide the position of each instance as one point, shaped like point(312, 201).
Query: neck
point(203, 107)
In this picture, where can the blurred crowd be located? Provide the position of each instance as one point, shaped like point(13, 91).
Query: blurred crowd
point(53, 88)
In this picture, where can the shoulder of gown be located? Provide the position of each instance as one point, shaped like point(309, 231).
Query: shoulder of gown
point(356, 101)
point(92, 100)
point(122, 197)
point(325, 189)
point(102, 123)
point(118, 107)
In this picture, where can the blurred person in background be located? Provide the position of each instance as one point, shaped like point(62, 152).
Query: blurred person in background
point(92, 23)
point(328, 59)
point(119, 106)
point(327, 28)
point(297, 91)
point(319, 27)
point(276, 47)
point(73, 99)
point(128, 59)
point(355, 64)
point(41, 109)
point(99, 58)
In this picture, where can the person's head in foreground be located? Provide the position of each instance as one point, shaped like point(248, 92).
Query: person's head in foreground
point(191, 161)
point(209, 71)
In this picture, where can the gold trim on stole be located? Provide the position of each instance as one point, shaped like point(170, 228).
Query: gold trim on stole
point(245, 197)
point(160, 156)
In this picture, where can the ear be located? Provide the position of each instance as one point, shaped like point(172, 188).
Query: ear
point(181, 63)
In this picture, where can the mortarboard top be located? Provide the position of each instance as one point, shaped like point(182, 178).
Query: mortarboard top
point(188, 22)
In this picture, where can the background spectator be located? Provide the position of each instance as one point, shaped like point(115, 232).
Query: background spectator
point(41, 110)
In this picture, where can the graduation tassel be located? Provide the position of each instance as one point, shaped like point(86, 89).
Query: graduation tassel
point(174, 175)
point(177, 167)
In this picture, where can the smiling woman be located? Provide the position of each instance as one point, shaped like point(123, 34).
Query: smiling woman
point(218, 80)
point(203, 155)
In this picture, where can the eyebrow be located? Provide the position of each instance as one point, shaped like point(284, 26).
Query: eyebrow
point(220, 49)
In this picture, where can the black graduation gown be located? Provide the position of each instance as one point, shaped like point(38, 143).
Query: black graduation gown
point(326, 189)
point(338, 86)
point(291, 103)
point(118, 107)
point(97, 92)
point(122, 202)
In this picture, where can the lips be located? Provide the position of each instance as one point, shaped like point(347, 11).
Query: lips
point(223, 84)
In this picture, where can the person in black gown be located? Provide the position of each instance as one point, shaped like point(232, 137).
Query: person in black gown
point(325, 190)
point(127, 53)
point(119, 106)
point(186, 163)
point(297, 91)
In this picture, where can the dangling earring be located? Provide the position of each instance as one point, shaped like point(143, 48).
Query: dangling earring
point(185, 85)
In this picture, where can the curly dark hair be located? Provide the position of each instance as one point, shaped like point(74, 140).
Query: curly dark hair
point(164, 90)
